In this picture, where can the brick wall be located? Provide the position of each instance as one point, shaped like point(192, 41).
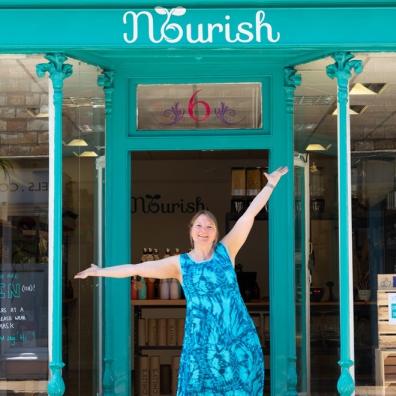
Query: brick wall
point(21, 133)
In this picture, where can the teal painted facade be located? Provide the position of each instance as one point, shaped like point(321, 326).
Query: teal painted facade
point(291, 33)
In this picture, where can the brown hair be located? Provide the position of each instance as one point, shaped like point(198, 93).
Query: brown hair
point(211, 216)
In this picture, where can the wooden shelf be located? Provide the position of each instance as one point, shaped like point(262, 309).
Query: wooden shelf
point(160, 347)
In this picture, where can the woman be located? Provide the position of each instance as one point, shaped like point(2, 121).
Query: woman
point(221, 352)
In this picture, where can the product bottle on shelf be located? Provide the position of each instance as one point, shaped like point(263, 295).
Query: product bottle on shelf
point(164, 290)
point(164, 285)
point(150, 281)
point(142, 289)
point(149, 256)
point(174, 289)
point(144, 256)
point(167, 253)
point(150, 288)
point(155, 254)
point(134, 288)
point(181, 291)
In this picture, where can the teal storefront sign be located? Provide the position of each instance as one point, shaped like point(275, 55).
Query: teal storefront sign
point(181, 27)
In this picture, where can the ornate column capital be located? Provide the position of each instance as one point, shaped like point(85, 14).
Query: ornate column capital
point(291, 81)
point(106, 81)
point(342, 71)
point(57, 69)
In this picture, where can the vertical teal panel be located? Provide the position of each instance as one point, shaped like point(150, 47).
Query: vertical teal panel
point(281, 242)
point(291, 80)
point(341, 70)
point(117, 377)
point(58, 71)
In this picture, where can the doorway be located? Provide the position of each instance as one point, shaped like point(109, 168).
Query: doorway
point(168, 188)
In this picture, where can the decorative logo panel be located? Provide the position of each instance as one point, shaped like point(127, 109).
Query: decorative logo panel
point(199, 106)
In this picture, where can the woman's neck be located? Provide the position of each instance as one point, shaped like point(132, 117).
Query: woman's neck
point(202, 253)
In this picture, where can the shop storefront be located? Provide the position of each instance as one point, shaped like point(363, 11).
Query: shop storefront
point(119, 121)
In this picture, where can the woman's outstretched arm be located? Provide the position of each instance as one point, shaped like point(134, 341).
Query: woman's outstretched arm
point(235, 239)
point(159, 269)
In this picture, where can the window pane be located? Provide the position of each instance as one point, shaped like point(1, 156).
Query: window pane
point(23, 226)
point(199, 106)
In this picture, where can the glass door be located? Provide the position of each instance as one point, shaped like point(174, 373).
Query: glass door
point(302, 277)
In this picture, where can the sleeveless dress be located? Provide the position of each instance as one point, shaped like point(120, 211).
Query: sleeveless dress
point(221, 352)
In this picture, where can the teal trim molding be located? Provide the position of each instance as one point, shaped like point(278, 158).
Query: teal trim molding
point(117, 304)
point(342, 71)
point(58, 71)
point(192, 3)
point(291, 81)
point(281, 256)
point(106, 81)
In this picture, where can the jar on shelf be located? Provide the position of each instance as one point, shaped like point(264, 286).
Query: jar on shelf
point(164, 289)
point(174, 289)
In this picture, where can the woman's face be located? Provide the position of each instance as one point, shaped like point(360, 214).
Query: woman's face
point(203, 231)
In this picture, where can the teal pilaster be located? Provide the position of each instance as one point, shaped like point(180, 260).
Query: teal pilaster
point(292, 80)
point(117, 304)
point(106, 81)
point(58, 71)
point(281, 256)
point(342, 71)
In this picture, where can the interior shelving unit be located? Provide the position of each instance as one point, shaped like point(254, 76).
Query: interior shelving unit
point(175, 309)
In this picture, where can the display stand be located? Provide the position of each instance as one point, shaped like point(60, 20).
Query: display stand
point(385, 355)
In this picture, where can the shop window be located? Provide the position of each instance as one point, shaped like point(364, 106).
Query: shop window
point(373, 175)
point(23, 226)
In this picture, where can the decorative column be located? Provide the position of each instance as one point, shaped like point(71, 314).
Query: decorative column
point(342, 70)
point(106, 81)
point(291, 81)
point(58, 71)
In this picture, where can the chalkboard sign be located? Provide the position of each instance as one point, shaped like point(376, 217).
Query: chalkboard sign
point(23, 316)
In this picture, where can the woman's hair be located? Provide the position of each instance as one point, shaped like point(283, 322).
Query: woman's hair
point(211, 216)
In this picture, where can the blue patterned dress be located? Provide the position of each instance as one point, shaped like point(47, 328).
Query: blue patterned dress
point(221, 352)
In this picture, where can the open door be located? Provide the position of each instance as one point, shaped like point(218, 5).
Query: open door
point(301, 212)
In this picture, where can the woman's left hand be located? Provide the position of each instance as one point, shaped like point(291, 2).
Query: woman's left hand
point(275, 176)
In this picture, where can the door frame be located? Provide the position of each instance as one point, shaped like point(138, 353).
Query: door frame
point(302, 161)
point(119, 146)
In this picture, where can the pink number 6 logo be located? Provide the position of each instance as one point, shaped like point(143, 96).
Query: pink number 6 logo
point(192, 103)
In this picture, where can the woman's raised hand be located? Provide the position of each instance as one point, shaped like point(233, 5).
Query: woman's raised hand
point(275, 176)
point(90, 271)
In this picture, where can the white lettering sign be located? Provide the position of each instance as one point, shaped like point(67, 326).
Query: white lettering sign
point(172, 32)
